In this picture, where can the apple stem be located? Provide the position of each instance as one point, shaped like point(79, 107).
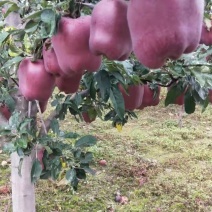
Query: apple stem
point(29, 112)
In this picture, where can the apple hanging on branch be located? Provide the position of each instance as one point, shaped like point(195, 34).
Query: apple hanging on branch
point(34, 82)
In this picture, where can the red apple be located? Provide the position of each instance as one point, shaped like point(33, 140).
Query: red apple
point(43, 106)
point(206, 36)
point(180, 99)
point(103, 163)
point(87, 118)
point(133, 99)
point(71, 46)
point(69, 84)
point(210, 95)
point(40, 156)
point(148, 97)
point(164, 29)
point(34, 82)
point(109, 33)
point(4, 110)
point(50, 59)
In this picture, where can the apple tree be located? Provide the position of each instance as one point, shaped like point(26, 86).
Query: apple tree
point(91, 59)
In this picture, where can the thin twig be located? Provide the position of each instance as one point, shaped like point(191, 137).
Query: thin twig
point(54, 114)
point(89, 5)
point(40, 114)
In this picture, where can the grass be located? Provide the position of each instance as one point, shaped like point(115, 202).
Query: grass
point(156, 164)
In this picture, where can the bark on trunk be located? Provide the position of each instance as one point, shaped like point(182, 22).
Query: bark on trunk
point(23, 191)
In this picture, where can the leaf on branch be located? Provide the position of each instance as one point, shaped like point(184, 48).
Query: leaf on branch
point(189, 103)
point(117, 101)
point(86, 141)
point(12, 62)
point(172, 94)
point(87, 158)
point(3, 37)
point(13, 8)
point(71, 177)
point(31, 26)
point(86, 167)
point(36, 171)
point(35, 15)
point(5, 2)
point(55, 126)
point(103, 82)
point(48, 17)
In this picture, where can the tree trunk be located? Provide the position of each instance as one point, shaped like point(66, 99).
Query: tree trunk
point(23, 191)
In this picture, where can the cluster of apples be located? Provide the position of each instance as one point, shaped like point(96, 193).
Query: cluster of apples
point(140, 96)
point(114, 29)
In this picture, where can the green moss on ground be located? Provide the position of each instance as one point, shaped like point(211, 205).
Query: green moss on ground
point(156, 164)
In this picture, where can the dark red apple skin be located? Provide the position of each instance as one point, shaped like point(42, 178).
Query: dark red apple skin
point(69, 84)
point(40, 156)
point(34, 82)
point(180, 99)
point(109, 33)
point(87, 118)
point(148, 97)
point(50, 60)
point(134, 99)
point(4, 110)
point(164, 33)
point(71, 46)
point(206, 36)
point(210, 96)
point(43, 106)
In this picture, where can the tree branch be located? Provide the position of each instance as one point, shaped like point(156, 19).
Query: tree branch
point(55, 114)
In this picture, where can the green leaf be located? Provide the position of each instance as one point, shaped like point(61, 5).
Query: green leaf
point(172, 94)
point(189, 103)
point(31, 26)
point(70, 135)
point(20, 152)
point(56, 168)
point(13, 8)
point(86, 167)
point(3, 37)
point(55, 126)
point(48, 149)
point(9, 147)
point(11, 62)
point(103, 81)
point(86, 141)
point(21, 142)
point(5, 2)
point(80, 173)
point(47, 16)
point(34, 15)
point(117, 101)
point(74, 183)
point(70, 175)
point(88, 157)
point(36, 171)
point(10, 102)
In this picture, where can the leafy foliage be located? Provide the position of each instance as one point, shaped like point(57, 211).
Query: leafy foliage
point(98, 95)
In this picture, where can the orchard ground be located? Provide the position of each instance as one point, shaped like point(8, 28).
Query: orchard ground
point(156, 164)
